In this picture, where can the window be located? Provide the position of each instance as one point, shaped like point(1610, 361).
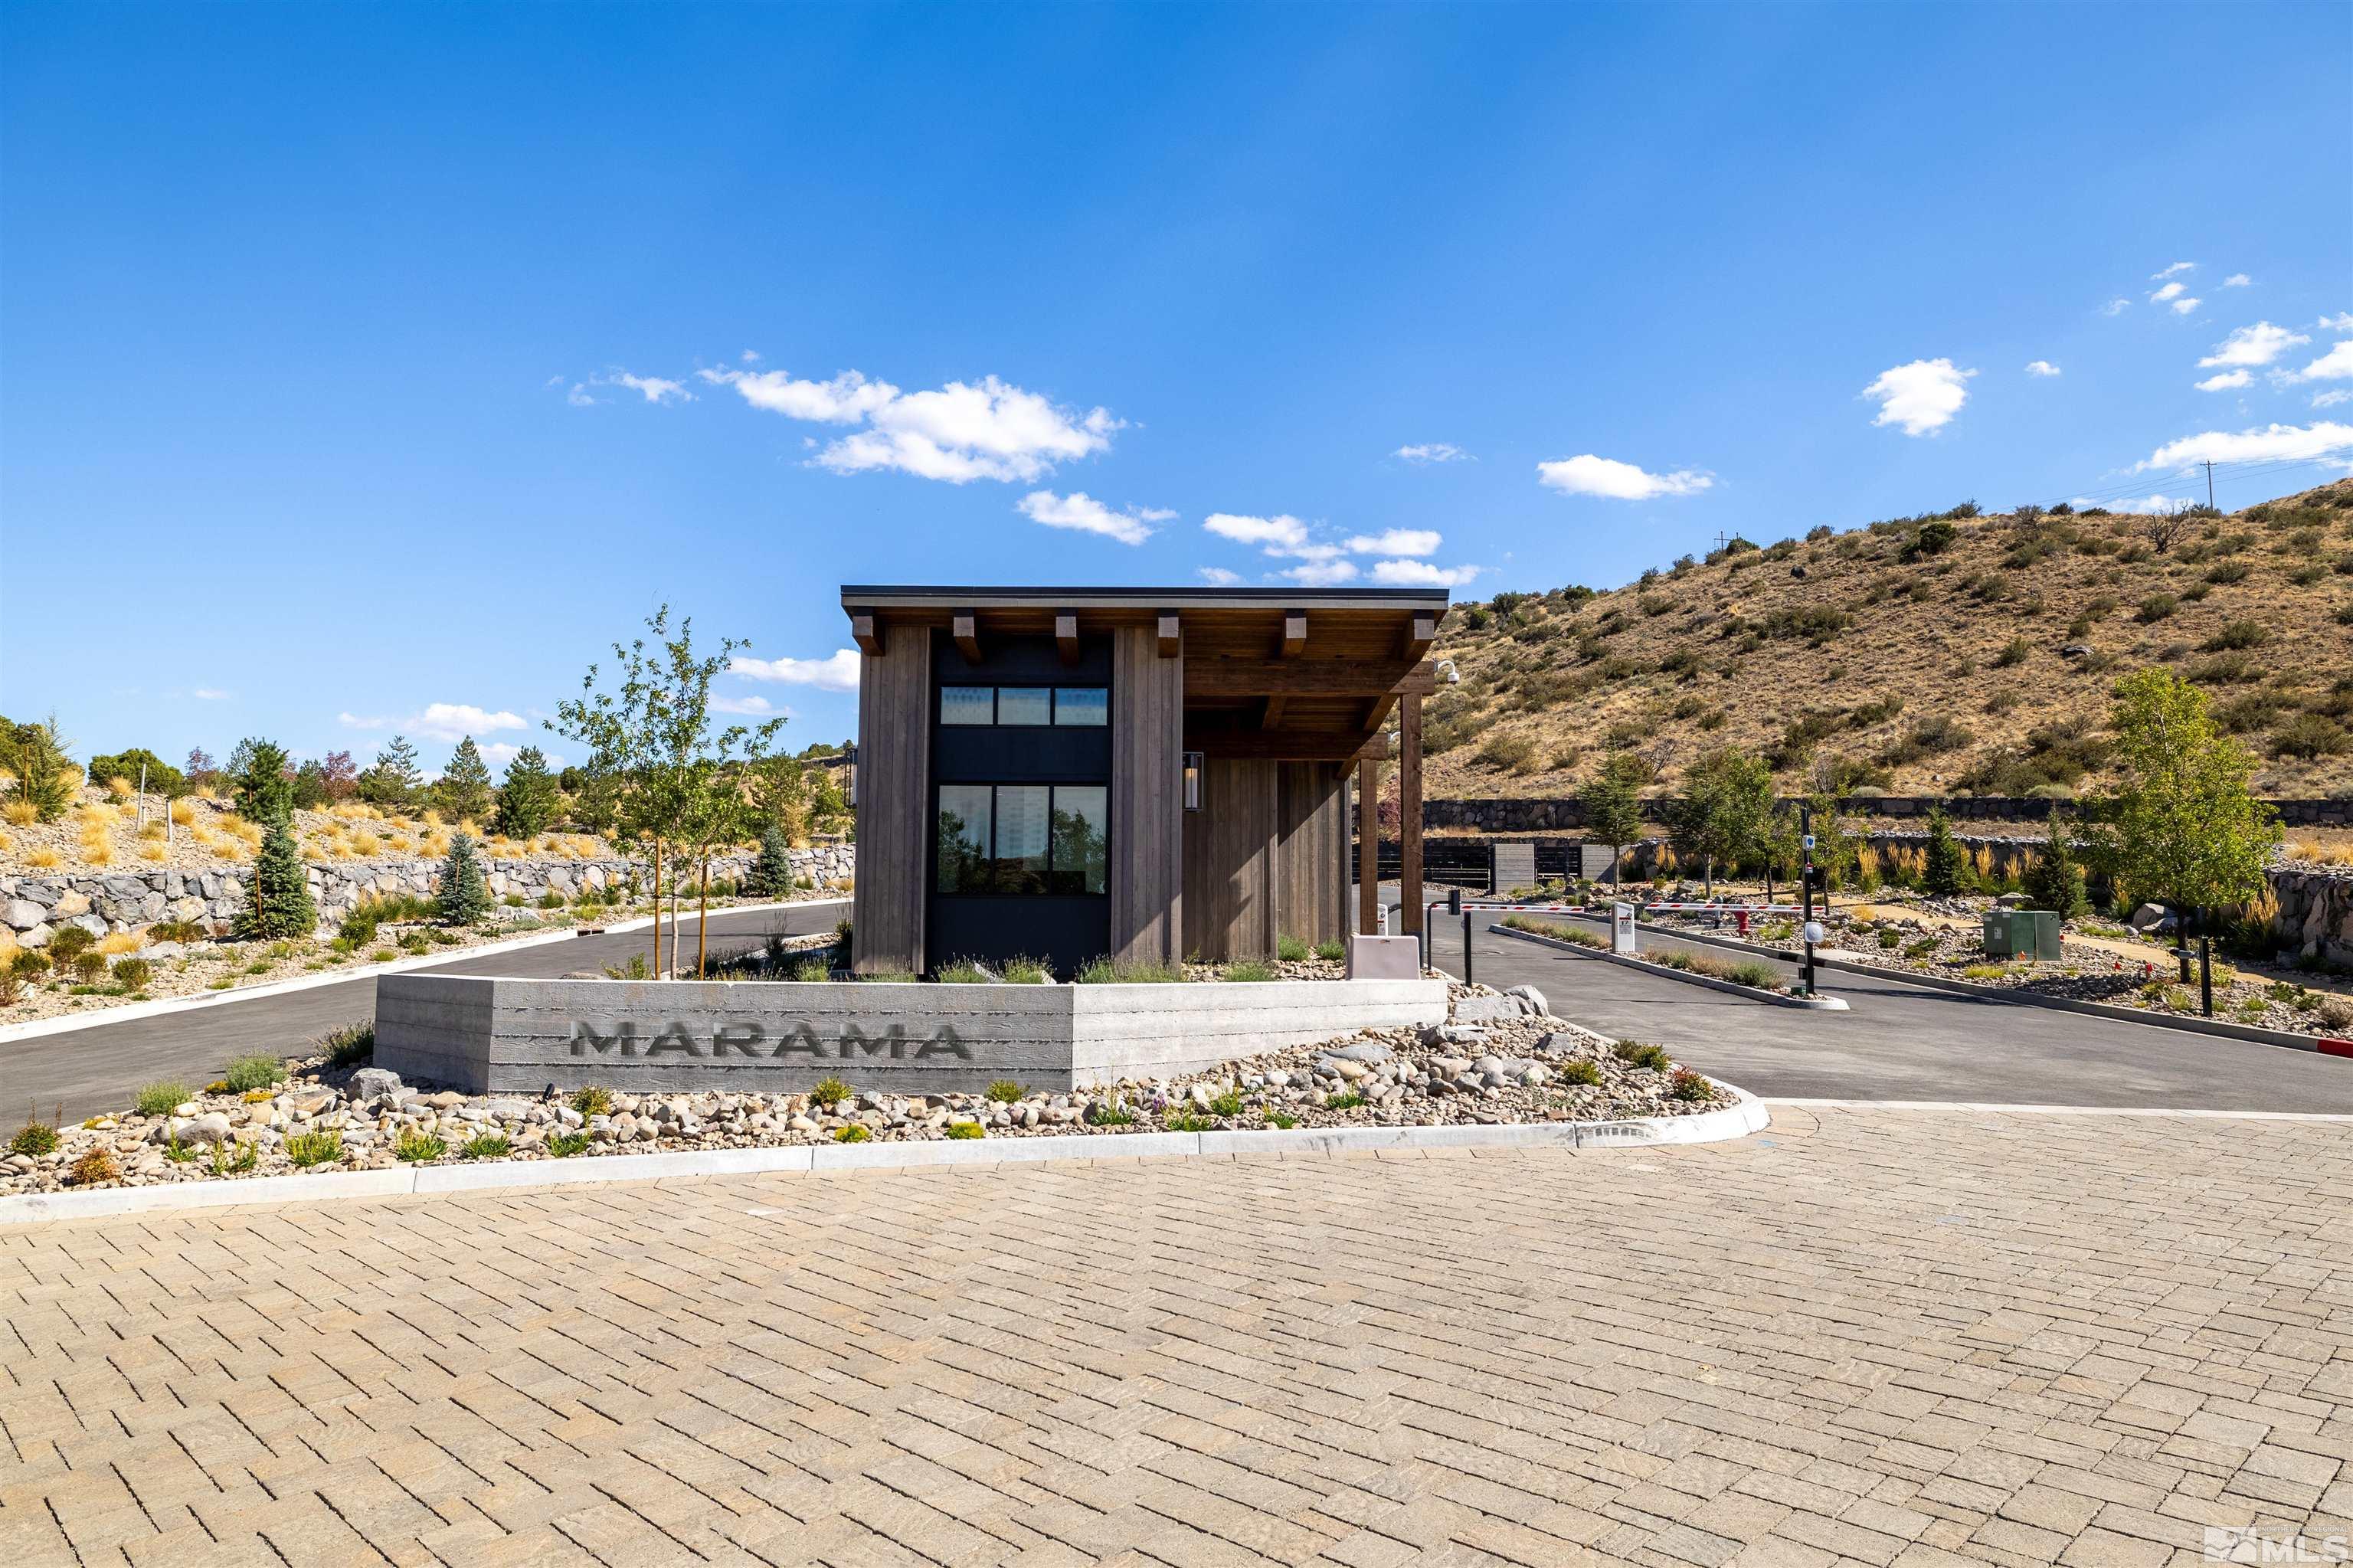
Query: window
point(1024, 839)
point(1024, 704)
point(967, 705)
point(963, 835)
point(1067, 706)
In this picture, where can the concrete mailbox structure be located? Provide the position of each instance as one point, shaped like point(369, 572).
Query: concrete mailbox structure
point(1149, 774)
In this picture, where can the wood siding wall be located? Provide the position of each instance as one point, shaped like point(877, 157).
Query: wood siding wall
point(1147, 801)
point(1229, 861)
point(1311, 854)
point(894, 732)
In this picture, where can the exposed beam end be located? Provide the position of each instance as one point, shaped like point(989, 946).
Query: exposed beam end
point(867, 633)
point(1172, 642)
point(1066, 638)
point(1420, 635)
point(968, 636)
point(1295, 633)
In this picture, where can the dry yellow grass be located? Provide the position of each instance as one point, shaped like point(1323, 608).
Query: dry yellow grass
point(435, 844)
point(42, 857)
point(151, 828)
point(120, 788)
point(155, 852)
point(115, 943)
point(96, 850)
point(183, 812)
point(399, 843)
point(432, 819)
point(206, 792)
point(19, 814)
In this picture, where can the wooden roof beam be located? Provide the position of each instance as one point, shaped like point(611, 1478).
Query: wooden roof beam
point(1066, 636)
point(1420, 634)
point(1306, 678)
point(968, 636)
point(1285, 745)
point(867, 633)
point(1295, 633)
point(1172, 642)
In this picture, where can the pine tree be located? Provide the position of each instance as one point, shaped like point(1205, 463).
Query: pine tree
point(463, 792)
point(1947, 872)
point(528, 799)
point(278, 895)
point(393, 780)
point(464, 897)
point(771, 873)
point(1613, 805)
point(310, 787)
point(2055, 880)
point(261, 782)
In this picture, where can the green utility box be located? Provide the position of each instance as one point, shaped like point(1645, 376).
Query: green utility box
point(2022, 934)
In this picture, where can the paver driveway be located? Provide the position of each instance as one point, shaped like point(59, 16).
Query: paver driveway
point(1868, 1335)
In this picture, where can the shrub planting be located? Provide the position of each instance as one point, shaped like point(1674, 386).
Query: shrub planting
point(159, 1098)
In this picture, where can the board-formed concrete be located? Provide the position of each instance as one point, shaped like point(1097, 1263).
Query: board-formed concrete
point(489, 1035)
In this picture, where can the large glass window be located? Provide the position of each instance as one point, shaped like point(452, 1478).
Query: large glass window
point(1081, 706)
point(1024, 704)
point(1024, 838)
point(1082, 845)
point(967, 705)
point(963, 835)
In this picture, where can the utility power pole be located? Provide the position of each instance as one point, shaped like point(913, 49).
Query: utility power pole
point(2209, 483)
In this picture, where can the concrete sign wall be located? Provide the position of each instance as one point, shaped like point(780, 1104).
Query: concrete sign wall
point(488, 1036)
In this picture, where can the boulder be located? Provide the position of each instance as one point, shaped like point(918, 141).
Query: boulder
point(1532, 997)
point(371, 1083)
point(68, 904)
point(23, 914)
point(2150, 918)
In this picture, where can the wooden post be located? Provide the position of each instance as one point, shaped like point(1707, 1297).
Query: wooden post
point(1410, 813)
point(1368, 847)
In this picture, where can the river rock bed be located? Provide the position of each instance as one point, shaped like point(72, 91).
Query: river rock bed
point(1501, 1059)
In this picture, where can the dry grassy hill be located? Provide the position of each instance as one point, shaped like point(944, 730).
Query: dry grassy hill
point(1932, 654)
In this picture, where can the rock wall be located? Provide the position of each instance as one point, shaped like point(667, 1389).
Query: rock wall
point(34, 905)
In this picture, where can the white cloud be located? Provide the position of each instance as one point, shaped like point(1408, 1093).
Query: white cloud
point(1322, 574)
point(2330, 399)
point(2169, 271)
point(1921, 396)
point(1083, 513)
point(1432, 452)
point(959, 432)
point(578, 396)
point(655, 388)
point(2171, 291)
point(753, 706)
point(2336, 365)
point(499, 752)
point(835, 673)
point(2342, 322)
point(209, 695)
point(2274, 443)
point(2146, 504)
point(2223, 381)
point(1421, 573)
point(2115, 307)
point(1587, 474)
point(2237, 280)
point(2184, 307)
point(1279, 535)
point(2257, 344)
point(440, 721)
point(1398, 542)
point(2040, 367)
point(1218, 576)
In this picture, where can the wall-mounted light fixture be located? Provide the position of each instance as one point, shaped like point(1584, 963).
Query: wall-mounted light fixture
point(1192, 780)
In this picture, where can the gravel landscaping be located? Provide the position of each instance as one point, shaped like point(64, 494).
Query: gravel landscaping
point(1501, 1059)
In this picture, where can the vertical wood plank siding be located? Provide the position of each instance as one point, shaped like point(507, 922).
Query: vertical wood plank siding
point(1147, 804)
point(894, 736)
point(1311, 852)
point(1229, 861)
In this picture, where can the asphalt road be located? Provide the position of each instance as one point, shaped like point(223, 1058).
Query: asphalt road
point(86, 1071)
point(1905, 1042)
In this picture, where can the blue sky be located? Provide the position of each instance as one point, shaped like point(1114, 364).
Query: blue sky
point(314, 322)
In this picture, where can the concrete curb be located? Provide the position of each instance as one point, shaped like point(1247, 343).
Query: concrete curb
point(1745, 1114)
point(1801, 1103)
point(1732, 988)
point(136, 1009)
point(2321, 1044)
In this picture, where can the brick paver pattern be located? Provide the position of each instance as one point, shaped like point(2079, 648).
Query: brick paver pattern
point(1868, 1336)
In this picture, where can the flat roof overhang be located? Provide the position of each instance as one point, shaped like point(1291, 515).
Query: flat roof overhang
point(1278, 673)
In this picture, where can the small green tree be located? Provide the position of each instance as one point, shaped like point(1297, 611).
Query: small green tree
point(1947, 870)
point(771, 873)
point(278, 895)
point(163, 778)
point(2055, 880)
point(528, 799)
point(463, 897)
point(2181, 827)
point(38, 772)
point(310, 787)
point(260, 779)
point(1613, 803)
point(462, 793)
point(1726, 812)
point(393, 780)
